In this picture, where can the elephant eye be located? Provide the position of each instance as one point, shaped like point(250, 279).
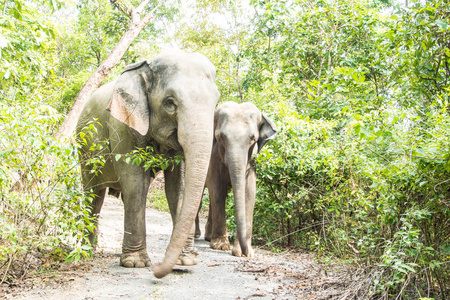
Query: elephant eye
point(169, 105)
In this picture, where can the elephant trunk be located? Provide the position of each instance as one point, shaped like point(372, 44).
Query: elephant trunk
point(237, 167)
point(196, 137)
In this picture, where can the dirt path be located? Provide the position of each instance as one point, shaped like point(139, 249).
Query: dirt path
point(217, 276)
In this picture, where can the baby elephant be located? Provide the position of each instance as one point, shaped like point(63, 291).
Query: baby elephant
point(240, 130)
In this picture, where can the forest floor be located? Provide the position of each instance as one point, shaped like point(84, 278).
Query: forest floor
point(218, 275)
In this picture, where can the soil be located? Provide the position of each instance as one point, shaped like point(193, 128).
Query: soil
point(218, 275)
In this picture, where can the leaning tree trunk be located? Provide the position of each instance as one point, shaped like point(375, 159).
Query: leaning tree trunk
point(136, 26)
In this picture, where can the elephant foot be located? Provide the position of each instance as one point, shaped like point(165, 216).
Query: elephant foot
point(137, 259)
point(220, 243)
point(198, 233)
point(208, 230)
point(187, 258)
point(238, 252)
point(207, 237)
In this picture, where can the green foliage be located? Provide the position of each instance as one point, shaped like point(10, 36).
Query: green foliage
point(370, 192)
point(24, 36)
point(45, 215)
point(420, 37)
point(360, 165)
point(149, 158)
point(158, 200)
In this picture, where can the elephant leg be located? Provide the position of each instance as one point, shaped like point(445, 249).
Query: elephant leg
point(198, 232)
point(174, 187)
point(250, 194)
point(208, 227)
point(97, 203)
point(219, 233)
point(134, 195)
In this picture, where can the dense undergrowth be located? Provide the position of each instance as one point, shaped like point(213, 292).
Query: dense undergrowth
point(360, 169)
point(44, 216)
point(372, 192)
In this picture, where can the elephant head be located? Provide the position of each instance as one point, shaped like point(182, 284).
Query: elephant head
point(240, 130)
point(169, 103)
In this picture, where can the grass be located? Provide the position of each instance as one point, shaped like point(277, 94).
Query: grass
point(158, 201)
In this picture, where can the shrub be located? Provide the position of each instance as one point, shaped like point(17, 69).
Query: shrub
point(44, 214)
point(371, 191)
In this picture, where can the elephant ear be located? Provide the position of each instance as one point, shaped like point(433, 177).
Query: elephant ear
point(267, 131)
point(129, 103)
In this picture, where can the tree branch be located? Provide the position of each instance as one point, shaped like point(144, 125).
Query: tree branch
point(126, 10)
point(143, 4)
point(136, 26)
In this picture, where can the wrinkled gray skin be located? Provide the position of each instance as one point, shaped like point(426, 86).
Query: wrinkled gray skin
point(168, 104)
point(240, 130)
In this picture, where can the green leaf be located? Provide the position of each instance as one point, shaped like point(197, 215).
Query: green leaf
point(442, 24)
point(6, 152)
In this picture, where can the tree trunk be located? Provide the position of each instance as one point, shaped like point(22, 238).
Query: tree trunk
point(136, 26)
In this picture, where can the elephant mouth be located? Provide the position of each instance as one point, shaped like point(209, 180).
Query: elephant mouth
point(174, 135)
point(172, 141)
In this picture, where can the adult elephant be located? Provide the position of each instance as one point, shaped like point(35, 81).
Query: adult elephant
point(167, 104)
point(240, 130)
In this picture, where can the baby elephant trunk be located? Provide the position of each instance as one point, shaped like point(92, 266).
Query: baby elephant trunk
point(237, 168)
